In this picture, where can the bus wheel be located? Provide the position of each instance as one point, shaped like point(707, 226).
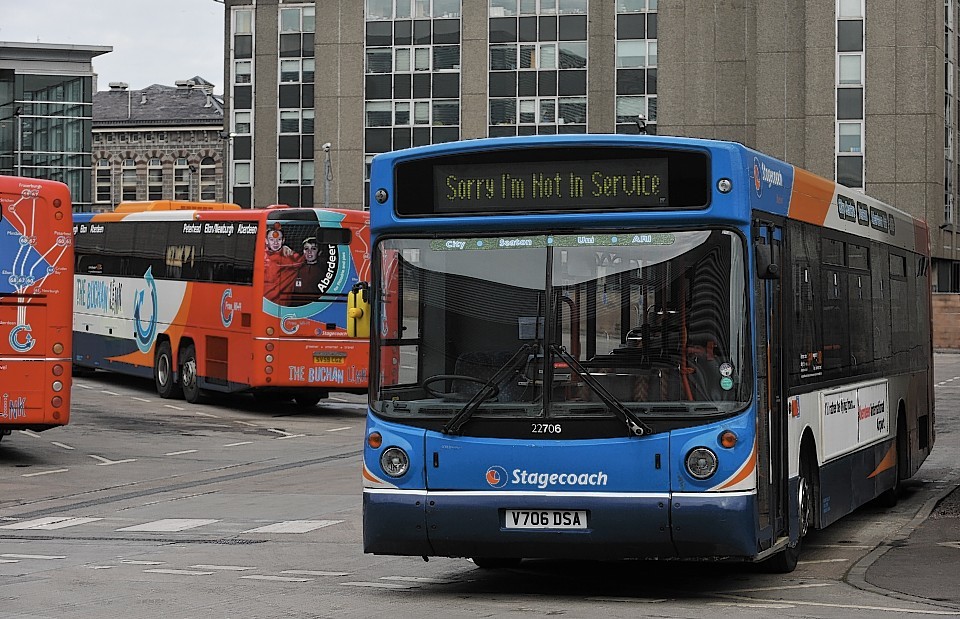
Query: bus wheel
point(163, 370)
point(493, 563)
point(786, 560)
point(188, 375)
point(890, 496)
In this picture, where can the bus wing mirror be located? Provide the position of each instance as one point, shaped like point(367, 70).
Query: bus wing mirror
point(768, 264)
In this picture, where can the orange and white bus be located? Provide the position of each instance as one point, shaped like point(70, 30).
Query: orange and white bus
point(271, 301)
point(36, 285)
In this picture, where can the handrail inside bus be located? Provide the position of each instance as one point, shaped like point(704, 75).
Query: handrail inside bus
point(139, 206)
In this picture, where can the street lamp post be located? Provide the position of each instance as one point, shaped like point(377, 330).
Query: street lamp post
point(327, 174)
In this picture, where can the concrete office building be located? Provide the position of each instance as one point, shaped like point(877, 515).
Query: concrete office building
point(46, 93)
point(859, 91)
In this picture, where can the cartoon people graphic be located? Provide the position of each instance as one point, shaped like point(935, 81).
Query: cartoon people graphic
point(280, 265)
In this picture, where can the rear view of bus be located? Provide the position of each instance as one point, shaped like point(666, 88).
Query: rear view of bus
point(36, 291)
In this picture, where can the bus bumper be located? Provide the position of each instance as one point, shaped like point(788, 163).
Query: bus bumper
point(621, 526)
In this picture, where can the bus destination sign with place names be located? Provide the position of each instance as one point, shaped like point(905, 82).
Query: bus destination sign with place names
point(551, 185)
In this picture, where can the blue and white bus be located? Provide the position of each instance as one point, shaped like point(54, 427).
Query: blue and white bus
point(608, 346)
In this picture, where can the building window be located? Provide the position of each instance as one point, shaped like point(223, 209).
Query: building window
point(538, 67)
point(154, 180)
point(208, 180)
point(241, 122)
point(181, 180)
point(636, 62)
point(104, 181)
point(412, 59)
point(241, 173)
point(129, 180)
point(849, 88)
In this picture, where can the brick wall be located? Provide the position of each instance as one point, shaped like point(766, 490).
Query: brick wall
point(946, 321)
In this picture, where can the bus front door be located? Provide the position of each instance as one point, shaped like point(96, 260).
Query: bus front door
point(771, 424)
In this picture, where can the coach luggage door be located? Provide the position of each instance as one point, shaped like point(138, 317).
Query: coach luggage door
point(771, 422)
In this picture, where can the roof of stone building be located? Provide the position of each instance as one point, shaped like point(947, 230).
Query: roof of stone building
point(190, 102)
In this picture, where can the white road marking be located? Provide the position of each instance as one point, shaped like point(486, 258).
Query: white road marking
point(176, 408)
point(851, 546)
point(9, 561)
point(280, 438)
point(98, 567)
point(245, 423)
point(947, 544)
point(314, 573)
point(277, 578)
point(181, 572)
point(283, 432)
point(82, 386)
point(822, 561)
point(135, 562)
point(60, 445)
point(140, 399)
point(240, 443)
point(41, 557)
point(378, 585)
point(783, 588)
point(769, 605)
point(108, 462)
point(45, 472)
point(202, 414)
point(338, 429)
point(630, 600)
point(109, 392)
point(180, 453)
point(169, 525)
point(30, 433)
point(49, 523)
point(226, 568)
point(294, 526)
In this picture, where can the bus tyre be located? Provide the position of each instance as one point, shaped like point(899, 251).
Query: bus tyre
point(163, 370)
point(786, 560)
point(188, 375)
point(890, 496)
point(495, 563)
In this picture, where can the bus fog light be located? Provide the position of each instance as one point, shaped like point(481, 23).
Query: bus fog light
point(57, 385)
point(701, 463)
point(394, 462)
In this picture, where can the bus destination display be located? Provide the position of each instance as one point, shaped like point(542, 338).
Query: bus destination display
point(551, 185)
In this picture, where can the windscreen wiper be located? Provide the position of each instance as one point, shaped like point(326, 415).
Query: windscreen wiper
point(634, 424)
point(453, 426)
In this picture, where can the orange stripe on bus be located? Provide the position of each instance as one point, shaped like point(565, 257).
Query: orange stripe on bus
point(746, 471)
point(812, 197)
point(889, 461)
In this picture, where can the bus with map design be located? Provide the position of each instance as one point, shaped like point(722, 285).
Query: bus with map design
point(635, 347)
point(222, 299)
point(36, 286)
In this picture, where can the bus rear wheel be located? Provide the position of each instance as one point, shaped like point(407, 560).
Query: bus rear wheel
point(163, 370)
point(188, 375)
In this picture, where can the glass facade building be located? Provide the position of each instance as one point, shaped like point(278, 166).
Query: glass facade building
point(46, 95)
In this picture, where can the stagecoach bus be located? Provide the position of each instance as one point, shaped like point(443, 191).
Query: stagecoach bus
point(36, 285)
point(270, 301)
point(609, 346)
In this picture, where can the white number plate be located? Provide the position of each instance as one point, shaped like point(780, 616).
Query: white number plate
point(546, 519)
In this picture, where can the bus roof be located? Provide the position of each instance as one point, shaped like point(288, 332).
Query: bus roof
point(140, 206)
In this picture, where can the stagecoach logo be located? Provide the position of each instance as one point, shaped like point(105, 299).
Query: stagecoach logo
point(289, 325)
point(228, 307)
point(497, 476)
point(20, 338)
point(146, 335)
point(764, 175)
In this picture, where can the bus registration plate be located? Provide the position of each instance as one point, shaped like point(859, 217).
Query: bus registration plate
point(328, 358)
point(546, 519)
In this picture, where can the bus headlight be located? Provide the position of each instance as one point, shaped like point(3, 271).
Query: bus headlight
point(394, 462)
point(701, 463)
